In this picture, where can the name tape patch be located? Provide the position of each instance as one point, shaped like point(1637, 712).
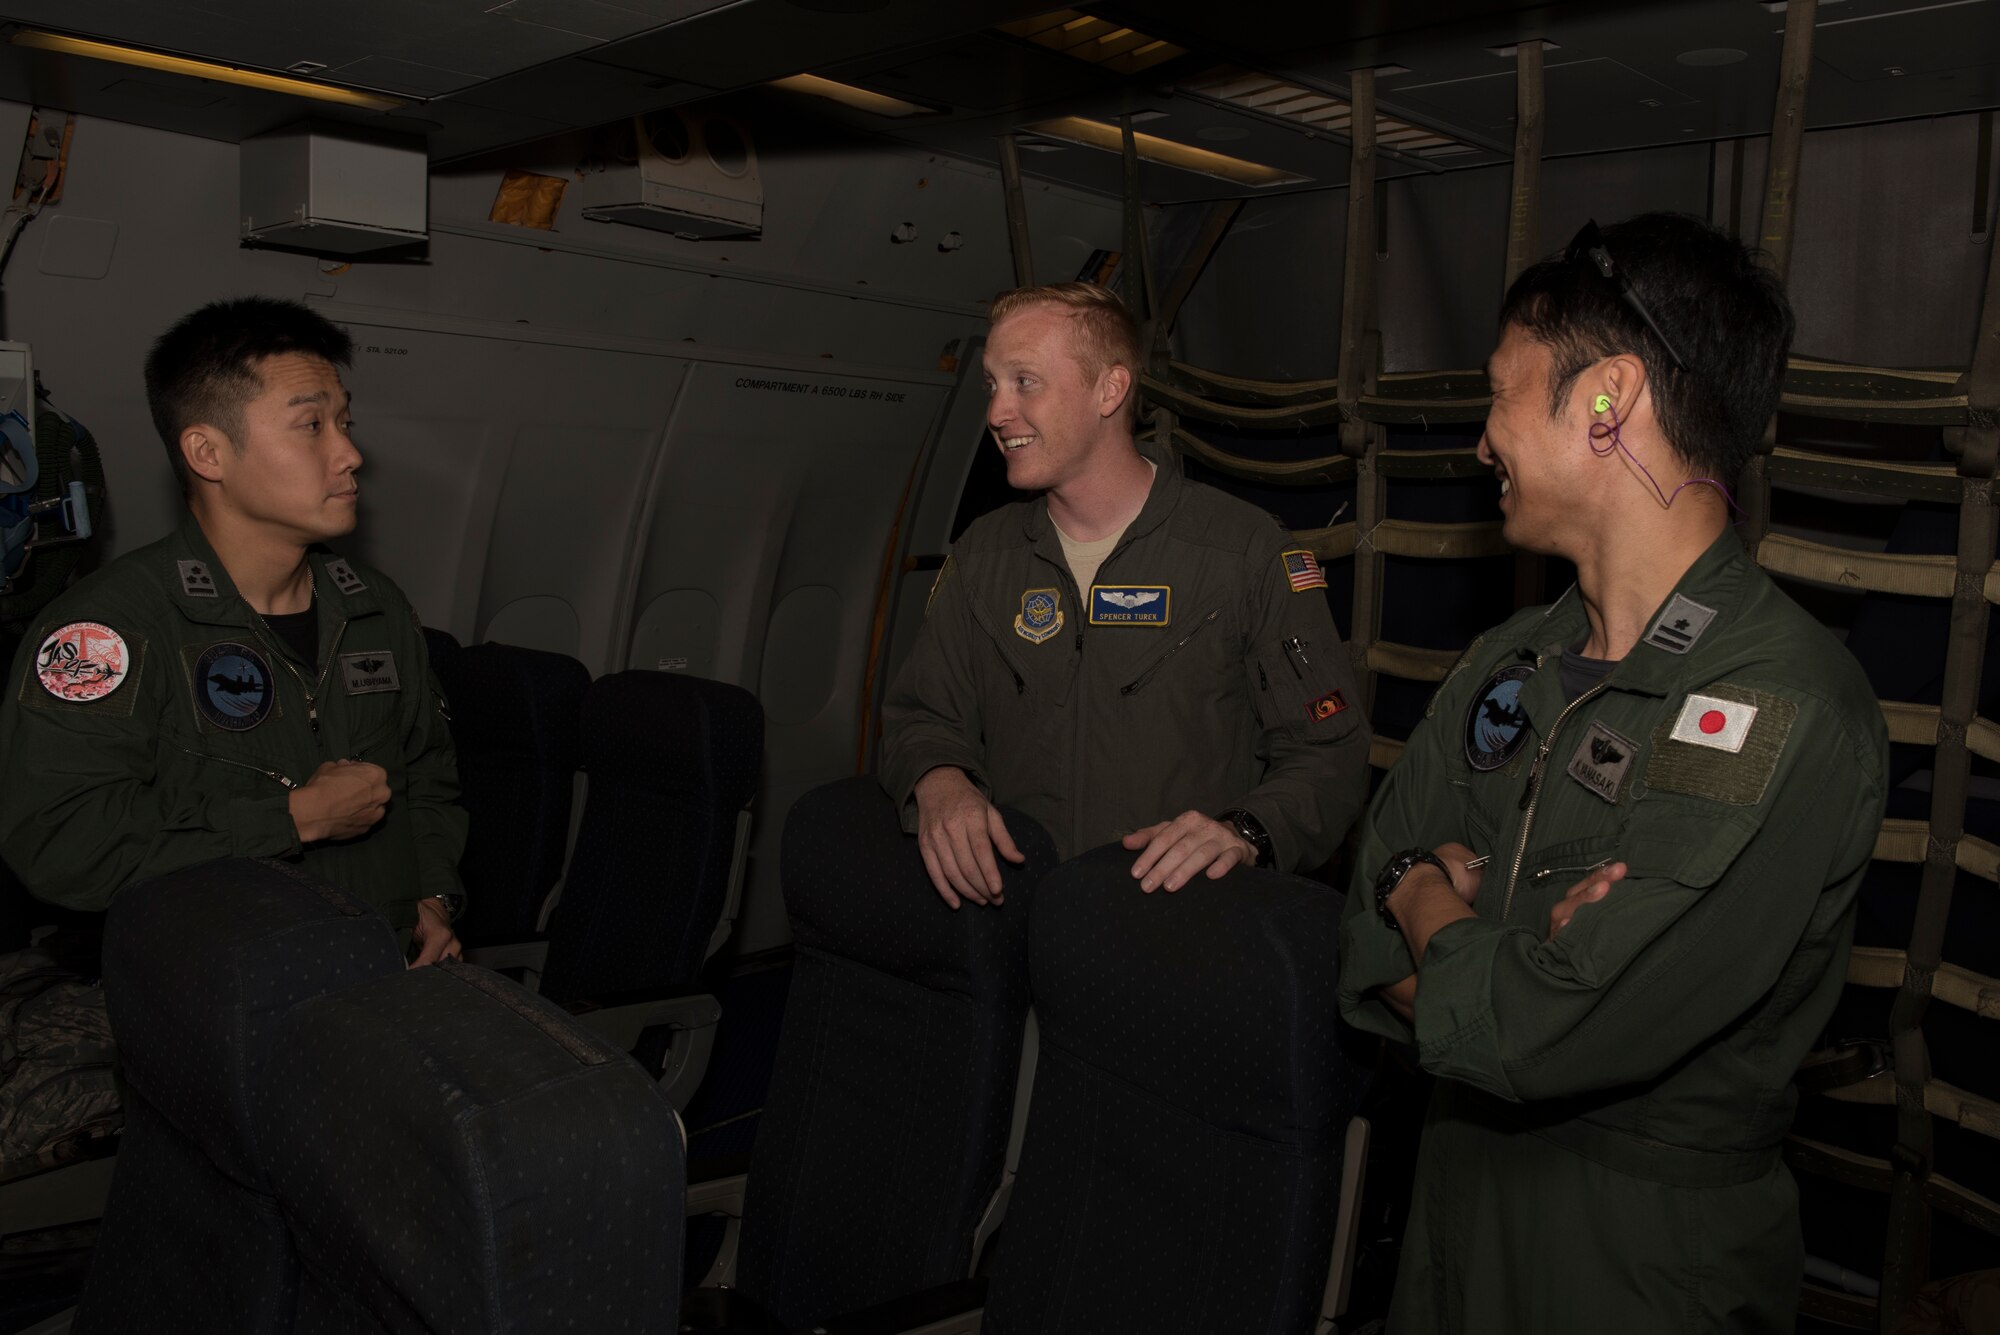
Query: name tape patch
point(83, 661)
point(1131, 604)
point(368, 673)
point(1711, 721)
point(1602, 760)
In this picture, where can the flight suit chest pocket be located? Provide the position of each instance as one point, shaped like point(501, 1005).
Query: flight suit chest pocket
point(369, 689)
point(1303, 691)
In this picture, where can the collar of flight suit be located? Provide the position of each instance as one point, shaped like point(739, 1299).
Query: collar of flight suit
point(1715, 581)
point(229, 608)
point(1165, 494)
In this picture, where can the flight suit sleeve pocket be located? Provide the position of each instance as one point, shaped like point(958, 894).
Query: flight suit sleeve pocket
point(1309, 699)
point(1696, 859)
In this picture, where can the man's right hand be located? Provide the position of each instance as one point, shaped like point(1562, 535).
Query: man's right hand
point(958, 829)
point(343, 799)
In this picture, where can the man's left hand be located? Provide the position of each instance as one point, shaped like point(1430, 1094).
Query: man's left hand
point(1171, 852)
point(433, 934)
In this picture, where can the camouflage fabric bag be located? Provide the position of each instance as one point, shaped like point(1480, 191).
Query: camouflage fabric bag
point(58, 1093)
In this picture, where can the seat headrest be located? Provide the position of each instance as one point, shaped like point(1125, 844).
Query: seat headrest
point(511, 702)
point(667, 732)
point(856, 887)
point(198, 964)
point(1221, 996)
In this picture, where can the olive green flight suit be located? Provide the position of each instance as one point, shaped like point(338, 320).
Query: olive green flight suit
point(1601, 1153)
point(185, 760)
point(1201, 672)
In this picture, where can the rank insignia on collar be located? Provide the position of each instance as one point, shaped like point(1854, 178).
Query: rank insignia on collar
point(1131, 604)
point(233, 688)
point(1602, 760)
point(343, 576)
point(1496, 726)
point(82, 662)
point(1041, 615)
point(196, 582)
point(1679, 626)
point(368, 673)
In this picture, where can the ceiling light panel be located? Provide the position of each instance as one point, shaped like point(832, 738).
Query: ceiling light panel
point(1316, 109)
point(1116, 47)
point(847, 94)
point(203, 69)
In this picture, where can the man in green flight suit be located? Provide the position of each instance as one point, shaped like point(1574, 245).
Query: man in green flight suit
point(1127, 656)
point(233, 690)
point(1677, 776)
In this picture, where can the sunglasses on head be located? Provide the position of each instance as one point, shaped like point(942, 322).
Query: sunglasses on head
point(1588, 245)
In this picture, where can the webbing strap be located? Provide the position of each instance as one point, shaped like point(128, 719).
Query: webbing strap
point(1939, 1099)
point(1434, 542)
point(1320, 471)
point(1877, 966)
point(1859, 1170)
point(1328, 544)
point(1913, 725)
point(1360, 364)
point(1903, 840)
point(1409, 662)
point(1880, 572)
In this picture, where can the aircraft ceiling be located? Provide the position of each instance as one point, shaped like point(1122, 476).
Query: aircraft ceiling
point(483, 75)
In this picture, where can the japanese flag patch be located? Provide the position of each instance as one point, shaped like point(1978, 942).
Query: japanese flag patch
point(1708, 720)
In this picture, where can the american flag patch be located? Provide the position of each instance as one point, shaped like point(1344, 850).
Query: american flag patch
point(1302, 569)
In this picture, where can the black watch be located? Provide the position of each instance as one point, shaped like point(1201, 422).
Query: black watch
point(1251, 831)
point(453, 906)
point(1392, 875)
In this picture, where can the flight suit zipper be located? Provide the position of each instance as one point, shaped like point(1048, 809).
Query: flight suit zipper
point(312, 690)
point(1533, 796)
point(1138, 683)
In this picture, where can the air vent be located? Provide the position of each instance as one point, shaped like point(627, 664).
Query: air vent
point(1116, 47)
point(1316, 109)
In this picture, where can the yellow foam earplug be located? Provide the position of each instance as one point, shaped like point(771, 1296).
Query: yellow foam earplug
point(1603, 403)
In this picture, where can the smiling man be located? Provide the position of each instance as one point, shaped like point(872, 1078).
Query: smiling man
point(1678, 777)
point(234, 690)
point(1127, 656)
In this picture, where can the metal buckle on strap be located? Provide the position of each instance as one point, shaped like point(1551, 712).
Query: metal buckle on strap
point(1847, 1062)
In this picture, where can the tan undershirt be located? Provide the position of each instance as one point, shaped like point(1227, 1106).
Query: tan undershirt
point(1085, 557)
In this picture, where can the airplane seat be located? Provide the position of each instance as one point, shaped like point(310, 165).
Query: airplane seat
point(672, 764)
point(453, 1152)
point(1182, 1169)
point(516, 723)
point(882, 1139)
point(199, 965)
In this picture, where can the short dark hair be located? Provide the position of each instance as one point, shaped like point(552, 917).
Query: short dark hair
point(1725, 312)
point(204, 369)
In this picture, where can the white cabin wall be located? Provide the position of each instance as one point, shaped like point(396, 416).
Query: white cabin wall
point(597, 439)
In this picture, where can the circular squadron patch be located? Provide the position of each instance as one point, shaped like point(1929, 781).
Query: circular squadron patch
point(1496, 725)
point(232, 686)
point(83, 661)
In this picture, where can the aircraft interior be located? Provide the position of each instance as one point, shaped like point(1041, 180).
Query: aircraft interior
point(668, 319)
